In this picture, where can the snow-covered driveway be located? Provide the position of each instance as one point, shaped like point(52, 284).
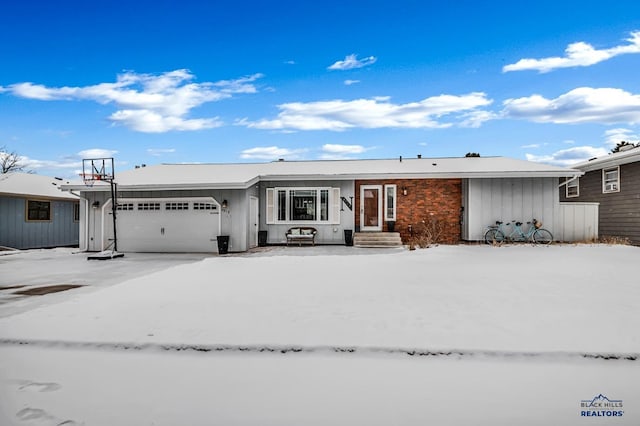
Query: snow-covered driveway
point(265, 335)
point(519, 298)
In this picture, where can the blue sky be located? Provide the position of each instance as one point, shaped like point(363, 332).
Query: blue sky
point(171, 82)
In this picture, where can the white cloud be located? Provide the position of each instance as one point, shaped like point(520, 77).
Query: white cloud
point(351, 62)
point(581, 105)
point(271, 153)
point(341, 152)
point(147, 102)
point(474, 119)
point(343, 149)
point(530, 146)
point(239, 85)
point(36, 165)
point(568, 157)
point(350, 82)
point(613, 136)
point(148, 121)
point(569, 142)
point(338, 115)
point(578, 54)
point(96, 153)
point(157, 152)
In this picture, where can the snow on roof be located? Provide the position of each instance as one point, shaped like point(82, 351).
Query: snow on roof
point(615, 159)
point(32, 185)
point(243, 175)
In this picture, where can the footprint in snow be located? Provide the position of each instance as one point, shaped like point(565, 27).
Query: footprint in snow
point(40, 387)
point(29, 413)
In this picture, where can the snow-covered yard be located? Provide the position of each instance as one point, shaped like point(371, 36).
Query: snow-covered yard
point(333, 336)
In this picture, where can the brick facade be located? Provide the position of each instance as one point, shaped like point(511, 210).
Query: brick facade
point(427, 200)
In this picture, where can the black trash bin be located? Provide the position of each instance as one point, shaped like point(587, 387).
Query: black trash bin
point(223, 244)
point(348, 237)
point(262, 238)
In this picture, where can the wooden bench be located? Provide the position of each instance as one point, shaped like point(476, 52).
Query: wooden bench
point(301, 234)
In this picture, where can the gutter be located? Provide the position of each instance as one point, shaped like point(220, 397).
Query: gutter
point(335, 177)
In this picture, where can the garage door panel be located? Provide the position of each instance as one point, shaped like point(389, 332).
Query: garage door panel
point(192, 226)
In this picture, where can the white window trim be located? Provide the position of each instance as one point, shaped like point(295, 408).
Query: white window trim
point(395, 202)
point(574, 183)
point(604, 184)
point(333, 214)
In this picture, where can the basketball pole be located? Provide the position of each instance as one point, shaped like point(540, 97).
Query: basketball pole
point(102, 169)
point(114, 193)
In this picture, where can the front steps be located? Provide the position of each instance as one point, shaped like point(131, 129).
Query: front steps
point(377, 239)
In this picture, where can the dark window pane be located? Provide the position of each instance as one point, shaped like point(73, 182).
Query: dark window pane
point(302, 204)
point(38, 210)
point(282, 205)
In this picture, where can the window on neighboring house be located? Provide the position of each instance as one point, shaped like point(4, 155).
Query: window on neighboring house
point(76, 212)
point(573, 189)
point(390, 202)
point(303, 205)
point(38, 210)
point(611, 179)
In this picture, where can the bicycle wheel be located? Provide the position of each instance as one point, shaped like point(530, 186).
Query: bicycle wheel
point(542, 236)
point(493, 236)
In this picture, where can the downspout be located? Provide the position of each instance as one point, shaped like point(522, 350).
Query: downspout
point(102, 234)
point(569, 180)
point(85, 243)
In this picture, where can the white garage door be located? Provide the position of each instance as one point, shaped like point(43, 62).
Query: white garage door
point(168, 225)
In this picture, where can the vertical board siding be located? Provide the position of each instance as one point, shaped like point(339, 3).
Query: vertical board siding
point(17, 232)
point(577, 222)
point(508, 199)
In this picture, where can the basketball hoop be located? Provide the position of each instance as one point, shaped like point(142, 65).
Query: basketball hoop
point(97, 169)
point(90, 178)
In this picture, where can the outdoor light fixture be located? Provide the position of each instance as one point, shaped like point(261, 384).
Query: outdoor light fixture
point(404, 191)
point(225, 204)
point(95, 204)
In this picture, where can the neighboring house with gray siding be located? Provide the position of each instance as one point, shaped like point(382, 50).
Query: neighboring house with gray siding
point(613, 182)
point(35, 213)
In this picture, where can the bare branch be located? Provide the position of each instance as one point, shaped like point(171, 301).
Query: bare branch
point(10, 161)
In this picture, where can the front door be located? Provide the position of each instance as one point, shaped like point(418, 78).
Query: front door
point(371, 207)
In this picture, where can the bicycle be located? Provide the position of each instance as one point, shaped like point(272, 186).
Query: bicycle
point(495, 233)
point(535, 233)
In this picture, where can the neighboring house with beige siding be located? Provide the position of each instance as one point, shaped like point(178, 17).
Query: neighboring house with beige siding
point(613, 182)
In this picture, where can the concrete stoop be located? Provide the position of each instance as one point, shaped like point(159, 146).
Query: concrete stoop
point(377, 239)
